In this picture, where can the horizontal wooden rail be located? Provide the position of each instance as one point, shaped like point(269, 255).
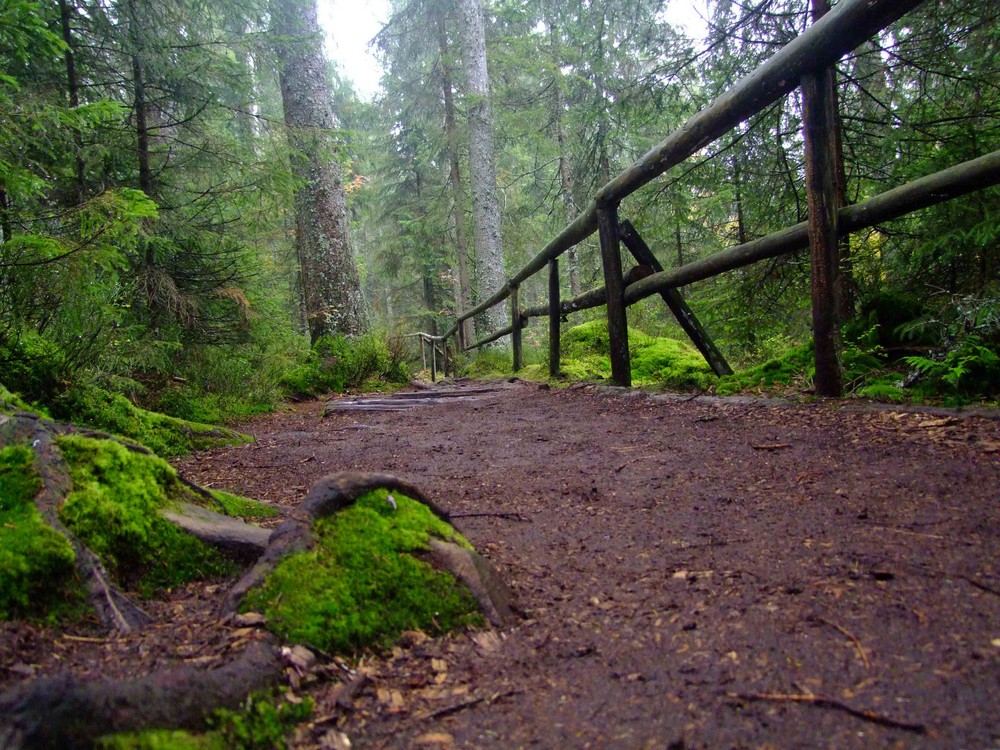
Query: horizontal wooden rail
point(939, 187)
point(849, 24)
point(962, 179)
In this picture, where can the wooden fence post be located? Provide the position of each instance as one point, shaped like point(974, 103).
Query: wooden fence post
point(554, 318)
point(607, 228)
point(819, 129)
point(434, 362)
point(515, 328)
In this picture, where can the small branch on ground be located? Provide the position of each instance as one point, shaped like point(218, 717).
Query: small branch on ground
point(771, 446)
point(853, 638)
point(472, 703)
point(827, 702)
point(981, 586)
point(513, 516)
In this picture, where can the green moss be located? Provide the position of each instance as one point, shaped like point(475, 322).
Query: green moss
point(358, 587)
point(656, 361)
point(11, 401)
point(263, 723)
point(890, 393)
point(113, 509)
point(165, 436)
point(670, 363)
point(243, 507)
point(36, 562)
point(162, 739)
point(794, 368)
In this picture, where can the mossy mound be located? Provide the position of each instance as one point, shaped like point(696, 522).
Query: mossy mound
point(36, 562)
point(361, 585)
point(113, 510)
point(165, 436)
point(668, 363)
point(656, 361)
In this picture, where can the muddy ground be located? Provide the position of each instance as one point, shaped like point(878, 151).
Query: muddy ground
point(694, 573)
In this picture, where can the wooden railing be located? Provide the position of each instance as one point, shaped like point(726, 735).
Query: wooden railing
point(807, 63)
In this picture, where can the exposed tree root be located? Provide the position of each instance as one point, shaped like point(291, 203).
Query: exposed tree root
point(66, 712)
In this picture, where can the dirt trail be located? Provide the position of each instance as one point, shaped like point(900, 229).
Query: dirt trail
point(695, 573)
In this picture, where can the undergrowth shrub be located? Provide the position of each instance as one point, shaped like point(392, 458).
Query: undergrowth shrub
point(33, 366)
point(965, 364)
point(336, 363)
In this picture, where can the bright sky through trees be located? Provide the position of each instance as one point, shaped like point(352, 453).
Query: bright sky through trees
point(351, 24)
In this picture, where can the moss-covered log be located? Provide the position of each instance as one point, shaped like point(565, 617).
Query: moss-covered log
point(121, 510)
point(115, 609)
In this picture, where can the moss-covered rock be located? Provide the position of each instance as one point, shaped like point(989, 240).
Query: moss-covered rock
point(36, 562)
point(362, 584)
point(113, 510)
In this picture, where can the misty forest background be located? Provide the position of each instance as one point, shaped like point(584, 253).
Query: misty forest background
point(155, 158)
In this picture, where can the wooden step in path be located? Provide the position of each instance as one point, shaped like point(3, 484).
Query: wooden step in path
point(409, 399)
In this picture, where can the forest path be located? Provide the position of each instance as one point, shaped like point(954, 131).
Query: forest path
point(696, 572)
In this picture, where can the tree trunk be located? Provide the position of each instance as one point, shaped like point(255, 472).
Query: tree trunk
point(140, 105)
point(565, 176)
point(846, 288)
point(464, 297)
point(72, 87)
point(331, 287)
point(482, 168)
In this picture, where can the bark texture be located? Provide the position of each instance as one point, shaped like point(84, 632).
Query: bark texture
point(482, 167)
point(331, 287)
